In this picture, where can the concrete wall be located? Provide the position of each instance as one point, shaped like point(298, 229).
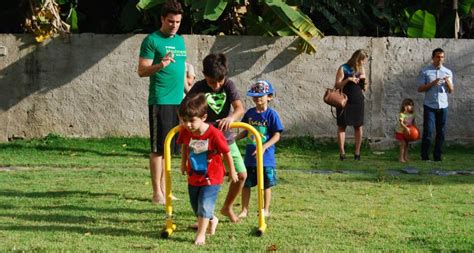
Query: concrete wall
point(87, 85)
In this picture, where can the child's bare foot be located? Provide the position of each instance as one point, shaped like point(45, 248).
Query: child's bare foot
point(243, 214)
point(229, 213)
point(200, 240)
point(158, 200)
point(265, 213)
point(211, 229)
point(402, 160)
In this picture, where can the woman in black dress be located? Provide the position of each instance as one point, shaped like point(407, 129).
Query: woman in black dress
point(350, 77)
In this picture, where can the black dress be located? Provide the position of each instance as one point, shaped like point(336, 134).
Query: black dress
point(353, 113)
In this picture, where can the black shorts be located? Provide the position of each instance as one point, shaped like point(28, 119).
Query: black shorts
point(162, 119)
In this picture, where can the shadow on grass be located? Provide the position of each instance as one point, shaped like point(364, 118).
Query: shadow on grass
point(54, 194)
point(155, 209)
point(82, 230)
point(132, 152)
point(384, 177)
point(69, 194)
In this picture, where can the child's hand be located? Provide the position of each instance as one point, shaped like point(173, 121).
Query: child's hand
point(224, 124)
point(183, 170)
point(264, 147)
point(233, 177)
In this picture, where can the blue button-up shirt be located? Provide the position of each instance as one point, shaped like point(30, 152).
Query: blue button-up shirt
point(436, 97)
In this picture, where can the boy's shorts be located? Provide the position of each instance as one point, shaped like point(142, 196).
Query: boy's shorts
point(237, 158)
point(269, 177)
point(203, 199)
point(162, 118)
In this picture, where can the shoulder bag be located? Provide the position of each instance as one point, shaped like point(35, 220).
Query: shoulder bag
point(335, 98)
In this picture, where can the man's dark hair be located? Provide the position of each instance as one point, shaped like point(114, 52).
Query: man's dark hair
point(215, 66)
point(193, 105)
point(171, 7)
point(437, 50)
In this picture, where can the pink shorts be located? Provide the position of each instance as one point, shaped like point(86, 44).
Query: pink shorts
point(400, 136)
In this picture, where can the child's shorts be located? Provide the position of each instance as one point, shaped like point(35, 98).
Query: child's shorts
point(237, 158)
point(400, 136)
point(203, 199)
point(269, 177)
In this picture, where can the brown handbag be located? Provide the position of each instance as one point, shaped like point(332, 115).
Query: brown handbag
point(336, 98)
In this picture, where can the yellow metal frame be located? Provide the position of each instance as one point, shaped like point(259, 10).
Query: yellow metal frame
point(170, 227)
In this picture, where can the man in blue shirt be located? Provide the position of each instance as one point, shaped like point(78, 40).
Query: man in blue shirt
point(436, 81)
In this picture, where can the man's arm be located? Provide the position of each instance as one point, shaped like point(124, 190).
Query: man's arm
point(427, 86)
point(147, 68)
point(449, 85)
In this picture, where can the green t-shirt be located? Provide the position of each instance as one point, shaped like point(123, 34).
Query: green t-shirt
point(166, 85)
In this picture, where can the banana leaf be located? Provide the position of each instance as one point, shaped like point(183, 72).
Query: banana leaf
point(297, 22)
point(422, 24)
point(465, 6)
point(72, 20)
point(147, 4)
point(210, 9)
point(257, 26)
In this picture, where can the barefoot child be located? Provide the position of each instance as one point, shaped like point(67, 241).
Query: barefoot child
point(406, 118)
point(267, 122)
point(222, 95)
point(202, 146)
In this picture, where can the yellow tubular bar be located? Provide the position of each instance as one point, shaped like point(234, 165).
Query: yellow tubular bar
point(261, 217)
point(170, 226)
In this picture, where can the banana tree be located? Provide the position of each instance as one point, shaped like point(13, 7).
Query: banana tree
point(44, 21)
point(422, 25)
point(265, 17)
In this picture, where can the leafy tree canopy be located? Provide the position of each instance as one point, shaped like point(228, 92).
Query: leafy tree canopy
point(306, 19)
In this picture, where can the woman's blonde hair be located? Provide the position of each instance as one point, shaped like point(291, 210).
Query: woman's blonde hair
point(356, 59)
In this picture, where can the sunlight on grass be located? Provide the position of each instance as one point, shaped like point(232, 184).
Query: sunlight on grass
point(60, 194)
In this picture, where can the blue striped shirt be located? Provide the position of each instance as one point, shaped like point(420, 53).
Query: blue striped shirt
point(436, 97)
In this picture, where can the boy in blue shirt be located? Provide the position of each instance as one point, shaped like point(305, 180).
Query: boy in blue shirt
point(266, 121)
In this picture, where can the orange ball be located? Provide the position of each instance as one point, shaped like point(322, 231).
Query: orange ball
point(413, 135)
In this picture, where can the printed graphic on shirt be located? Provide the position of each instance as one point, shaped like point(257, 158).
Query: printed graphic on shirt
point(216, 101)
point(199, 146)
point(174, 52)
point(261, 127)
point(198, 155)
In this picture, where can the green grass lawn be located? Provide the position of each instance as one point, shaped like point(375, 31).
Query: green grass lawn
point(59, 194)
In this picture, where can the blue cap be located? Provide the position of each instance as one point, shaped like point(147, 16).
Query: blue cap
point(260, 88)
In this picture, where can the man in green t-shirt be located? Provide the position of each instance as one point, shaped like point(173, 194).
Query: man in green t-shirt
point(163, 58)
